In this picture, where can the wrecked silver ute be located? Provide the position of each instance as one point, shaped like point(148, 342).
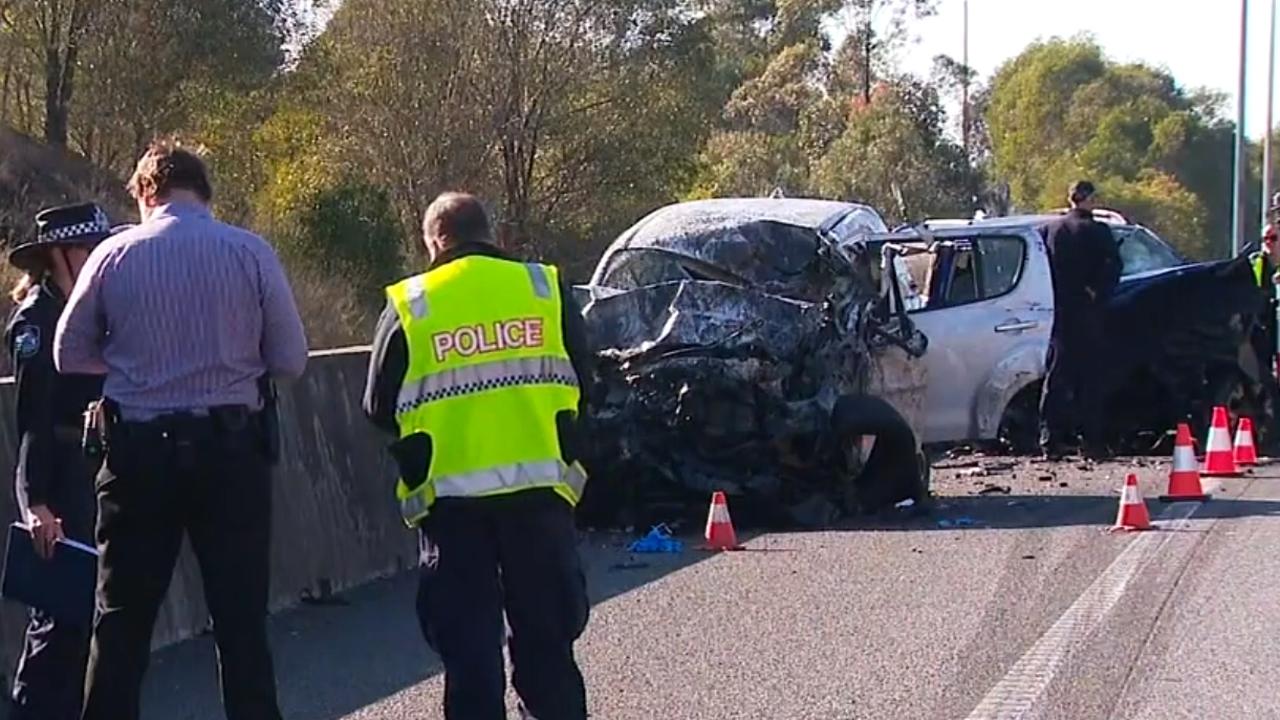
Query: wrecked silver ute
point(742, 348)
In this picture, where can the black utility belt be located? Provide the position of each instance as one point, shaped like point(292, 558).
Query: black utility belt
point(224, 418)
point(238, 425)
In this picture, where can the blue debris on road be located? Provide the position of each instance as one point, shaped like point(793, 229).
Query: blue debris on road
point(957, 522)
point(658, 540)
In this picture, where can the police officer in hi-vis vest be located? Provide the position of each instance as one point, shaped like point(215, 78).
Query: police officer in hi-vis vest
point(477, 369)
point(54, 478)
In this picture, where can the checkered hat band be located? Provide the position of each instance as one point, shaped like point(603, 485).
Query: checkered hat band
point(67, 232)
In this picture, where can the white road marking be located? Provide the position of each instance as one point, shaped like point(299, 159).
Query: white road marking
point(1017, 694)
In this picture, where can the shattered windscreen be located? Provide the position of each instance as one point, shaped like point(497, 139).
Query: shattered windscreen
point(773, 246)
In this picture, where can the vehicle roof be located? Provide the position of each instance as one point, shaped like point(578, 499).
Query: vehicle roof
point(1109, 217)
point(761, 239)
point(801, 212)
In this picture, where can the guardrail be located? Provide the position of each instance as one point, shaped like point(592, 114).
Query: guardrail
point(336, 525)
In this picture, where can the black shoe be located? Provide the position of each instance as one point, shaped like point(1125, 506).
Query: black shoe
point(1098, 453)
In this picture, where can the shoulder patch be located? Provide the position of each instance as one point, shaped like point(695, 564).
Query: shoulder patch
point(26, 341)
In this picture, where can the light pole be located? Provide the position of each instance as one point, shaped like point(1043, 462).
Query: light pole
point(1238, 194)
point(1266, 141)
point(964, 85)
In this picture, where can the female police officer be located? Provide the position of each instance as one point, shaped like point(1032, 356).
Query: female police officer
point(54, 483)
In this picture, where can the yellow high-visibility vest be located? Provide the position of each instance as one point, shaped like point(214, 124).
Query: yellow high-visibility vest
point(488, 374)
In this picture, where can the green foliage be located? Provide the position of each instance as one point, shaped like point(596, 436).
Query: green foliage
point(1061, 111)
point(348, 230)
point(1026, 114)
point(131, 70)
point(1159, 201)
point(750, 164)
point(893, 155)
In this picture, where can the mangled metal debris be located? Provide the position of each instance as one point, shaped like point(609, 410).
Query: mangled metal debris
point(742, 349)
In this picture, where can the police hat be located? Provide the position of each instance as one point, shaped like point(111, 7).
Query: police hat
point(79, 224)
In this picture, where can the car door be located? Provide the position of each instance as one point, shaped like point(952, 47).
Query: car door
point(987, 312)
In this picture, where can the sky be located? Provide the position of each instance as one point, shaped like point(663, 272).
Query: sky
point(1197, 41)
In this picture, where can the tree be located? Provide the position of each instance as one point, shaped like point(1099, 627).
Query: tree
point(560, 71)
point(87, 59)
point(567, 112)
point(894, 156)
point(1061, 111)
point(875, 29)
point(47, 37)
point(1160, 201)
point(336, 231)
point(779, 118)
point(958, 82)
point(198, 54)
point(1026, 114)
point(392, 79)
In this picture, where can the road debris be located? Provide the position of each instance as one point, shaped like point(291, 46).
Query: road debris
point(990, 489)
point(959, 465)
point(957, 522)
point(658, 540)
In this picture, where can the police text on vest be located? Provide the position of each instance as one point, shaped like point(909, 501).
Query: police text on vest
point(483, 338)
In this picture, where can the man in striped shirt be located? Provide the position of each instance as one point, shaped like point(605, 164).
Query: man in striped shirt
point(188, 318)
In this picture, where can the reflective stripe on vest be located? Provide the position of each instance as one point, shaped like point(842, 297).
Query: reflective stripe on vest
point(493, 481)
point(417, 296)
point(485, 376)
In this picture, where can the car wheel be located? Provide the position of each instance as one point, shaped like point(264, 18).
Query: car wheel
point(1019, 431)
point(896, 469)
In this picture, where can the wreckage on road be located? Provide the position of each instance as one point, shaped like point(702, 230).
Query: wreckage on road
point(747, 345)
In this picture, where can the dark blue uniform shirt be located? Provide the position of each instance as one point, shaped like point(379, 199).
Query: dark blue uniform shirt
point(50, 407)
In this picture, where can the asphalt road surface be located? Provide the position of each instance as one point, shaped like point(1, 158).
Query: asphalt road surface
point(1009, 602)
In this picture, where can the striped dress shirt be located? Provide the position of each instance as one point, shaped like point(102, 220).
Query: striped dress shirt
point(181, 313)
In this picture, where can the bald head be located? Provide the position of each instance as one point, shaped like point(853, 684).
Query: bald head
point(455, 219)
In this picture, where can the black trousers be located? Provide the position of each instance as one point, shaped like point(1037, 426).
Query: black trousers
point(213, 482)
point(515, 553)
point(1075, 388)
point(49, 681)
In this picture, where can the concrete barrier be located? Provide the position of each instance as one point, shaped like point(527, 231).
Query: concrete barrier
point(336, 525)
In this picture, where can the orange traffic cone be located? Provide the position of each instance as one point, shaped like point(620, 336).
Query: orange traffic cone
point(1245, 453)
point(1184, 479)
point(719, 532)
point(1220, 457)
point(1133, 511)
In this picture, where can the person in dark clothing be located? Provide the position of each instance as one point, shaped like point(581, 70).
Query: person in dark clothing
point(1085, 264)
point(487, 409)
point(54, 478)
